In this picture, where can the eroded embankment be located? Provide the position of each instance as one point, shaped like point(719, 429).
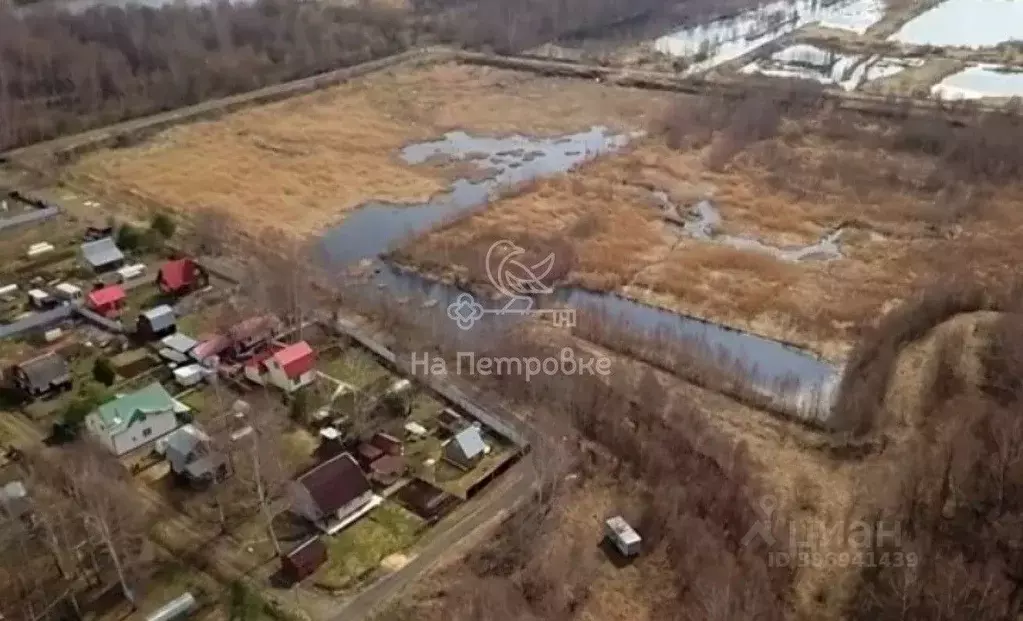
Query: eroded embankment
point(890, 373)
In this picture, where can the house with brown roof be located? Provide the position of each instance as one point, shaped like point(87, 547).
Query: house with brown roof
point(304, 560)
point(240, 342)
point(333, 494)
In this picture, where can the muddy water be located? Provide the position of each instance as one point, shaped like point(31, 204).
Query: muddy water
point(376, 227)
point(704, 221)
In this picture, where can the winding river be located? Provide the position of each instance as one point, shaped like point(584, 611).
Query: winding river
point(376, 227)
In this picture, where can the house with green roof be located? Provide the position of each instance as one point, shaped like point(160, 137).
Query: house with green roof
point(135, 419)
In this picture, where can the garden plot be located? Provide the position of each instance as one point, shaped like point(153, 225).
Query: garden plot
point(710, 45)
point(979, 82)
point(965, 23)
point(809, 62)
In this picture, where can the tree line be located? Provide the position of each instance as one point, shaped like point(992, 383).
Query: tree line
point(65, 72)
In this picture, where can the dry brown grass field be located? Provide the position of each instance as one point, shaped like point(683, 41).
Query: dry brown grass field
point(894, 240)
point(300, 164)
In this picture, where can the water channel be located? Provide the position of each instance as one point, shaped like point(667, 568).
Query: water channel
point(376, 227)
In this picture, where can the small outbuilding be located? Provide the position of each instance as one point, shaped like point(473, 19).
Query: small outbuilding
point(102, 255)
point(39, 299)
point(466, 448)
point(622, 536)
point(107, 301)
point(181, 276)
point(42, 375)
point(304, 560)
point(189, 375)
point(191, 456)
point(176, 347)
point(157, 322)
point(69, 292)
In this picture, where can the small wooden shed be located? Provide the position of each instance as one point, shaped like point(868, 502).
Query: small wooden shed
point(304, 560)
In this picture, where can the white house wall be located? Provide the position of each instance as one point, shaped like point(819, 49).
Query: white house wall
point(133, 437)
point(252, 373)
point(95, 426)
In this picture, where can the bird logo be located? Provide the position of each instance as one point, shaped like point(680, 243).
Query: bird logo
point(514, 279)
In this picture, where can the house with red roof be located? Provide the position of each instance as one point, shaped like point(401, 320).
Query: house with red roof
point(107, 301)
point(288, 368)
point(181, 276)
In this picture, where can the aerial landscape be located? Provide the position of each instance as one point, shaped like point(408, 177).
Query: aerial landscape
point(574, 310)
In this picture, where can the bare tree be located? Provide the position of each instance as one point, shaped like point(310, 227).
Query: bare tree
point(101, 490)
point(259, 457)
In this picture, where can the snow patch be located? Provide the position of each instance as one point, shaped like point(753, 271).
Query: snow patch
point(980, 81)
point(965, 23)
point(710, 45)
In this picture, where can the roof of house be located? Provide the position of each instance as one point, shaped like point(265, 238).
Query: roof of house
point(160, 317)
point(178, 273)
point(180, 444)
point(179, 342)
point(205, 466)
point(295, 359)
point(252, 326)
point(43, 370)
point(119, 413)
point(335, 483)
point(308, 555)
point(389, 465)
point(101, 252)
point(211, 347)
point(106, 295)
point(469, 442)
point(259, 358)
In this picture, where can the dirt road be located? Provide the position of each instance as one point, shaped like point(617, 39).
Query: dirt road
point(494, 505)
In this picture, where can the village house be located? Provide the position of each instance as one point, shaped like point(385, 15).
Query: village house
point(289, 368)
point(107, 301)
point(133, 420)
point(466, 448)
point(156, 322)
point(240, 342)
point(333, 494)
point(102, 255)
point(191, 456)
point(42, 375)
point(181, 276)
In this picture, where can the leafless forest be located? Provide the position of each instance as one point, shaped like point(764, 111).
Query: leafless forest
point(61, 73)
point(958, 491)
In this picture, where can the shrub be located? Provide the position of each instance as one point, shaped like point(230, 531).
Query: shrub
point(129, 237)
point(164, 225)
point(103, 372)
